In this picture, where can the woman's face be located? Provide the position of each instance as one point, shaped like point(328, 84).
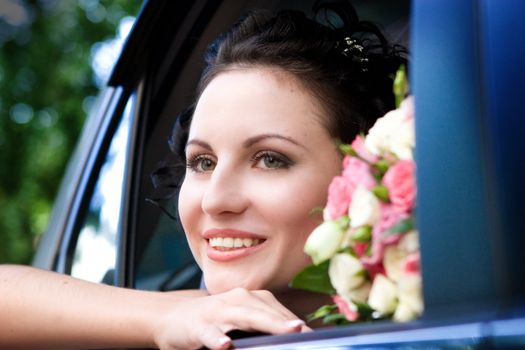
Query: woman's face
point(259, 161)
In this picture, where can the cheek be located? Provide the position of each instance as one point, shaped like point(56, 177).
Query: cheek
point(296, 206)
point(189, 206)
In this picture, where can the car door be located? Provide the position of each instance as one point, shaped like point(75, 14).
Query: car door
point(472, 268)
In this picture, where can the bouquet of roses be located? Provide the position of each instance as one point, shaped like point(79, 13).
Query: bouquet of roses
point(366, 252)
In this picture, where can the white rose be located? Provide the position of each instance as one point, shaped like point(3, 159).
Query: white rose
point(324, 241)
point(393, 133)
point(347, 239)
point(364, 209)
point(403, 140)
point(359, 294)
point(409, 292)
point(383, 295)
point(404, 313)
point(379, 136)
point(394, 256)
point(346, 273)
point(393, 259)
point(409, 242)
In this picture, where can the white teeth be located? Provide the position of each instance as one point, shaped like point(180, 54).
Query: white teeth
point(227, 242)
point(247, 242)
point(230, 242)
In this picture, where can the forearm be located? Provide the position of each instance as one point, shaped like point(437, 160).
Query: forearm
point(40, 309)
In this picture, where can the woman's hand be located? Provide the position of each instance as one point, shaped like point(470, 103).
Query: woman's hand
point(196, 321)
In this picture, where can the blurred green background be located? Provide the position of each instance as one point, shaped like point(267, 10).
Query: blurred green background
point(48, 52)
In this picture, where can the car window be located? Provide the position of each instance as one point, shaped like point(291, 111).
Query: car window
point(161, 257)
point(96, 248)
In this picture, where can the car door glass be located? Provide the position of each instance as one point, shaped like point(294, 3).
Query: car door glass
point(95, 253)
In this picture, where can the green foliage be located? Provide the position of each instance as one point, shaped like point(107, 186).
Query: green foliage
point(402, 226)
point(314, 278)
point(323, 311)
point(400, 87)
point(45, 83)
point(362, 234)
point(381, 192)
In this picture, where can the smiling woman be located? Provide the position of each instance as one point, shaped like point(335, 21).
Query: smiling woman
point(275, 148)
point(260, 147)
point(257, 153)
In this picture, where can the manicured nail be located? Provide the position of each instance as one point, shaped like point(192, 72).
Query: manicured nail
point(295, 323)
point(224, 340)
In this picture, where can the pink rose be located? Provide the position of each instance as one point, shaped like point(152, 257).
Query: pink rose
point(359, 146)
point(373, 263)
point(401, 185)
point(360, 248)
point(389, 217)
point(377, 269)
point(412, 263)
point(344, 308)
point(339, 196)
point(357, 172)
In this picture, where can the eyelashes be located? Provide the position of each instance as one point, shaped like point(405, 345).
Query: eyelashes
point(267, 160)
point(200, 163)
point(271, 160)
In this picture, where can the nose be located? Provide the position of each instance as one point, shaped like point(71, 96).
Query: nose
point(224, 193)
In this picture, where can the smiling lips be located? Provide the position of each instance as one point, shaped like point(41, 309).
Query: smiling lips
point(226, 244)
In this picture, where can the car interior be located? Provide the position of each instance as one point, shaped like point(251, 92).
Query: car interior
point(469, 201)
point(162, 260)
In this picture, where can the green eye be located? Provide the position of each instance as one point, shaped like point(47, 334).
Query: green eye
point(206, 164)
point(271, 160)
point(201, 164)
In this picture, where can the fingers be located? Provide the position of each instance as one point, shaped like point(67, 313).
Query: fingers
point(272, 301)
point(264, 320)
point(213, 338)
point(263, 301)
point(209, 318)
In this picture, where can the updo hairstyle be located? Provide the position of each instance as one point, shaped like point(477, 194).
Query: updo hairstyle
point(346, 64)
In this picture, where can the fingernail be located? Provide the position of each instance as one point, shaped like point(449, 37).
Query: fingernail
point(295, 323)
point(224, 340)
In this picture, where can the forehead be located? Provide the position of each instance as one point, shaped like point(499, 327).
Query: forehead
point(251, 100)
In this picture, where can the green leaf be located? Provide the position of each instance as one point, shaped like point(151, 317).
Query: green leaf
point(400, 87)
point(321, 312)
point(381, 192)
point(314, 278)
point(316, 210)
point(362, 234)
point(364, 310)
point(347, 149)
point(338, 319)
point(343, 222)
point(382, 167)
point(401, 226)
point(361, 273)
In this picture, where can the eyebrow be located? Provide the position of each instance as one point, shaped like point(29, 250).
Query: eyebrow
point(249, 142)
point(255, 139)
point(198, 142)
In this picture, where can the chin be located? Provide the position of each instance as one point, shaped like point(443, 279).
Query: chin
point(220, 284)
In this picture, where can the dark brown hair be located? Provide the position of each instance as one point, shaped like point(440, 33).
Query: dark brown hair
point(348, 66)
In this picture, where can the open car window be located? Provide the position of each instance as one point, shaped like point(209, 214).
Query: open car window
point(161, 256)
point(95, 252)
point(465, 74)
